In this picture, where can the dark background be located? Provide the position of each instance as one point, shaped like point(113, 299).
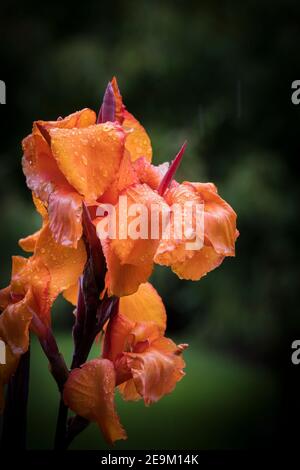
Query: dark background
point(219, 75)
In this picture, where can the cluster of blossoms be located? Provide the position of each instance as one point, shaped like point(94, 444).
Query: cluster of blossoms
point(73, 166)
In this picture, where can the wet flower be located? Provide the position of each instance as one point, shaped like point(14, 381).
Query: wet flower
point(77, 168)
point(136, 357)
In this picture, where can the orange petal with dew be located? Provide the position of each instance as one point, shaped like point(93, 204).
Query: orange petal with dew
point(137, 245)
point(65, 216)
point(150, 174)
point(123, 279)
point(128, 391)
point(65, 264)
point(116, 335)
point(40, 168)
point(89, 392)
point(5, 297)
point(137, 140)
point(28, 243)
point(219, 219)
point(32, 274)
point(15, 322)
point(173, 245)
point(157, 370)
point(125, 177)
point(83, 118)
point(199, 265)
point(145, 305)
point(89, 157)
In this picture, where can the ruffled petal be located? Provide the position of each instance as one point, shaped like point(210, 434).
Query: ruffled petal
point(128, 391)
point(145, 305)
point(173, 245)
point(65, 264)
point(28, 244)
point(150, 174)
point(51, 270)
point(15, 322)
point(157, 370)
point(116, 336)
point(216, 238)
point(65, 216)
point(199, 265)
point(89, 157)
point(31, 274)
point(89, 392)
point(219, 219)
point(147, 364)
point(123, 279)
point(5, 297)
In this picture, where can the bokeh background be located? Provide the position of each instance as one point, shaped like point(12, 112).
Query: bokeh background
point(219, 75)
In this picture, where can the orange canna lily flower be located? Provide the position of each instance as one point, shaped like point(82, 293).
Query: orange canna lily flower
point(136, 357)
point(130, 261)
point(78, 169)
point(75, 159)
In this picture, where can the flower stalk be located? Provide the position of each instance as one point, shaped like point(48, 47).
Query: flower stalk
point(15, 413)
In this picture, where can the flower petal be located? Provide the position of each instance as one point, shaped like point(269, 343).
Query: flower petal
point(199, 265)
point(173, 245)
point(150, 174)
point(157, 370)
point(219, 219)
point(15, 322)
point(65, 264)
point(128, 391)
point(116, 335)
point(71, 294)
point(65, 212)
point(5, 297)
point(28, 243)
point(137, 140)
point(89, 392)
point(89, 157)
point(39, 166)
point(145, 305)
point(123, 279)
point(136, 246)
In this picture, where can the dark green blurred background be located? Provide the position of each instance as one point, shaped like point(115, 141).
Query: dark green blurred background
point(219, 75)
